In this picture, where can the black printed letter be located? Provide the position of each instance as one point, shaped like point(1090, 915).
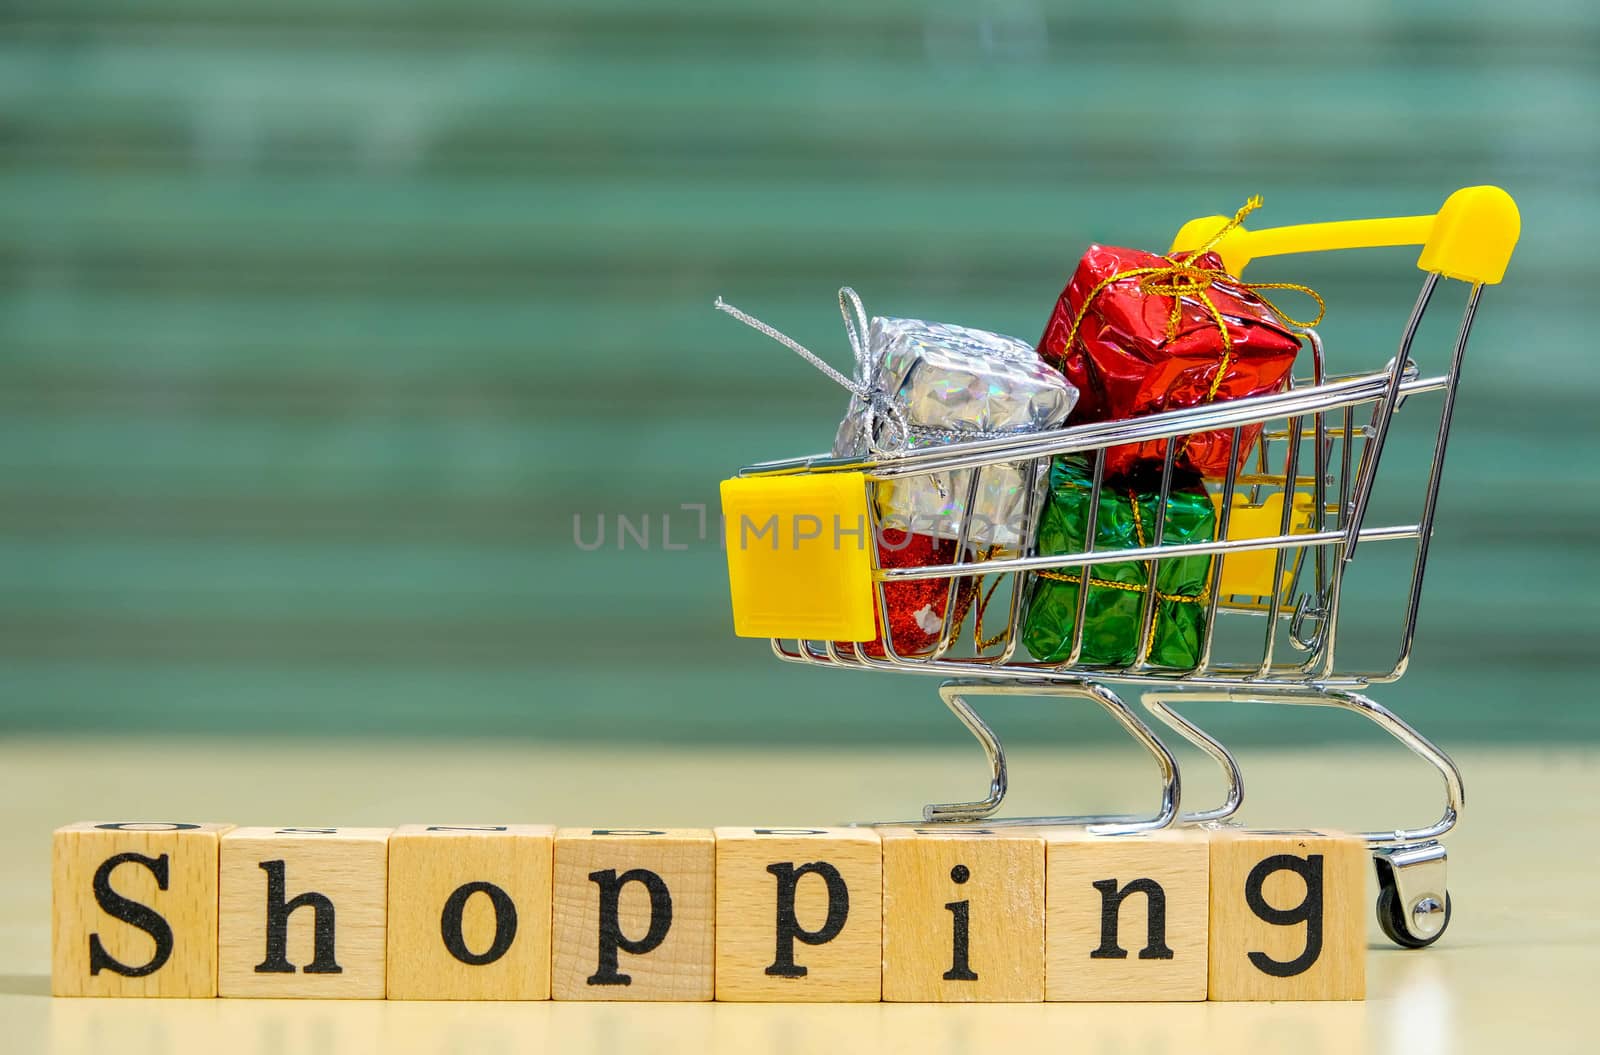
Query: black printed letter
point(277, 959)
point(611, 937)
point(505, 923)
point(789, 928)
point(1309, 911)
point(960, 937)
point(1155, 947)
point(144, 917)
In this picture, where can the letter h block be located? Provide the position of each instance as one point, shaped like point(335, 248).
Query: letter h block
point(469, 912)
point(1288, 915)
point(134, 909)
point(1126, 916)
point(963, 914)
point(303, 912)
point(799, 914)
point(633, 914)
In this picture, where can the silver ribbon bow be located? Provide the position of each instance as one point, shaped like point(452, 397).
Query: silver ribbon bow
point(879, 407)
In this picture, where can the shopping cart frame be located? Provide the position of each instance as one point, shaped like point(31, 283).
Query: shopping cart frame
point(1470, 239)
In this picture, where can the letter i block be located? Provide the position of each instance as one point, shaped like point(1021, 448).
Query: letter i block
point(469, 912)
point(799, 914)
point(633, 914)
point(134, 909)
point(303, 912)
point(1288, 915)
point(963, 914)
point(1126, 916)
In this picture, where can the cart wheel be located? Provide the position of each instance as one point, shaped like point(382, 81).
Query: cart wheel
point(1402, 926)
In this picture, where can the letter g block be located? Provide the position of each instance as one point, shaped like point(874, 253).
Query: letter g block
point(134, 909)
point(1288, 915)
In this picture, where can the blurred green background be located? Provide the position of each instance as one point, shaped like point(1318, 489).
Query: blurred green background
point(324, 325)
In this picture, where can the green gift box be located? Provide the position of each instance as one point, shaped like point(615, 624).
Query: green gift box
point(1127, 519)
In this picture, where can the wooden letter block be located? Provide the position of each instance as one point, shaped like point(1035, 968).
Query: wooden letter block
point(134, 909)
point(1126, 916)
point(799, 914)
point(1288, 915)
point(963, 914)
point(633, 914)
point(469, 912)
point(303, 912)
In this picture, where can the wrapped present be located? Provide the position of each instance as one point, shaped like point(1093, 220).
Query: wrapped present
point(918, 384)
point(914, 609)
point(1115, 606)
point(930, 383)
point(1139, 333)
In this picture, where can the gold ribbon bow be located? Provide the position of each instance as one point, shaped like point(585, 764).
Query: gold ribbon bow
point(1183, 278)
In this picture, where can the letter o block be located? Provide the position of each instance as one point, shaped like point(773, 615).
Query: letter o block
point(1288, 915)
point(303, 912)
point(134, 909)
point(633, 914)
point(799, 914)
point(469, 912)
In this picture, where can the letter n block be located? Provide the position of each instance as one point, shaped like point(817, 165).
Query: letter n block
point(1126, 916)
point(799, 914)
point(633, 914)
point(469, 912)
point(1288, 915)
point(303, 912)
point(963, 914)
point(134, 909)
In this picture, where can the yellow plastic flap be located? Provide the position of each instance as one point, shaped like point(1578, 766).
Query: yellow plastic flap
point(1250, 573)
point(800, 556)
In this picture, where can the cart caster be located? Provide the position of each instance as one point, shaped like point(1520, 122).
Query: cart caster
point(1413, 905)
point(1401, 927)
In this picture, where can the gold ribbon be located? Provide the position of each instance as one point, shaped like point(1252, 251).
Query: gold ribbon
point(1149, 567)
point(979, 642)
point(1171, 598)
point(1183, 278)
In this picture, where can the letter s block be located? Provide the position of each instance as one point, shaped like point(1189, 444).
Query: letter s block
point(633, 914)
point(1288, 915)
point(303, 912)
point(799, 914)
point(469, 912)
point(134, 909)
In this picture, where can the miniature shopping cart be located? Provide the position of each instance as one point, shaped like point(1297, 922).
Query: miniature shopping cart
point(1290, 524)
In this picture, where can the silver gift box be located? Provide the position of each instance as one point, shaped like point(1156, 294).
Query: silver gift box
point(952, 383)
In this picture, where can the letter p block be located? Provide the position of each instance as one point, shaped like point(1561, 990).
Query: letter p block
point(799, 914)
point(134, 909)
point(632, 914)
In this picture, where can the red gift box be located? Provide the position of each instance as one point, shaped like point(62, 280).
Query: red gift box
point(1140, 333)
point(916, 606)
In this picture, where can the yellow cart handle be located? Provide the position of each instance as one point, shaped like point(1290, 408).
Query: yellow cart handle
point(1470, 238)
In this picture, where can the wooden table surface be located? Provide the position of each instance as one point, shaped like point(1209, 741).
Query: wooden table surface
point(1514, 973)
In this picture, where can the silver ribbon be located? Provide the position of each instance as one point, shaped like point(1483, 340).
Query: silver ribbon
point(880, 408)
